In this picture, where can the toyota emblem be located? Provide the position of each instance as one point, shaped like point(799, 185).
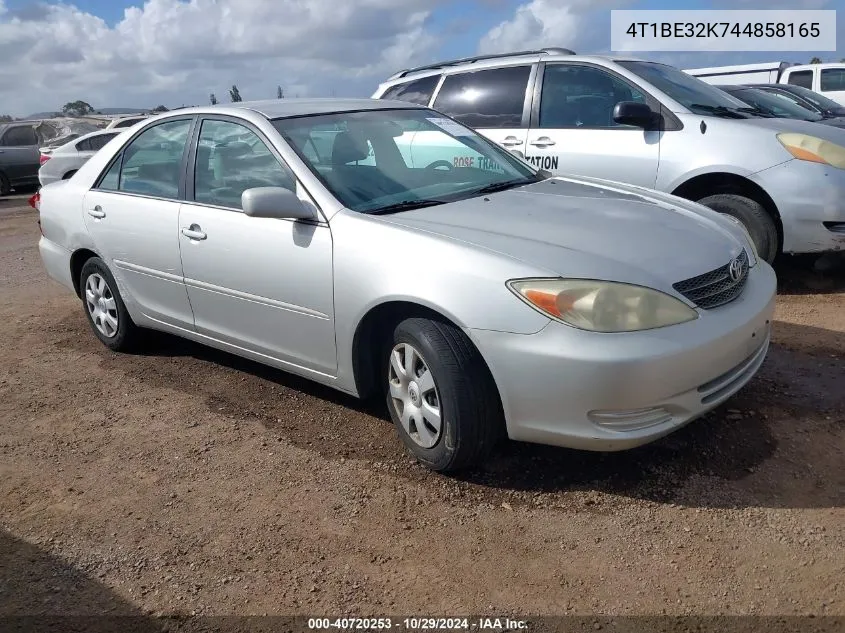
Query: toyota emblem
point(735, 269)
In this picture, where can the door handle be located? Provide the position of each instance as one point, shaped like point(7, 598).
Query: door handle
point(543, 141)
point(97, 212)
point(511, 141)
point(193, 232)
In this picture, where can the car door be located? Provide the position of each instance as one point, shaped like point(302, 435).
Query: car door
point(132, 214)
point(262, 284)
point(573, 132)
point(494, 101)
point(19, 156)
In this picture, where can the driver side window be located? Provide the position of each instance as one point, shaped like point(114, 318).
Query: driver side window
point(231, 158)
point(582, 97)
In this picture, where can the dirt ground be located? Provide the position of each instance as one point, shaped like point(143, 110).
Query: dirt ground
point(187, 481)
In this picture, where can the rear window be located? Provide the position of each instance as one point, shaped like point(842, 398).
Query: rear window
point(803, 78)
point(832, 79)
point(94, 143)
point(418, 91)
point(492, 98)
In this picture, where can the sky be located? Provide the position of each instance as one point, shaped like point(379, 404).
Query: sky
point(129, 53)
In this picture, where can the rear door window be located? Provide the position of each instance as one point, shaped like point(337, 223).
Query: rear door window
point(803, 78)
point(418, 91)
point(152, 163)
point(19, 136)
point(492, 98)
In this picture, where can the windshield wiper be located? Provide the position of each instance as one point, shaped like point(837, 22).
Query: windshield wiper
point(405, 205)
point(724, 111)
point(501, 186)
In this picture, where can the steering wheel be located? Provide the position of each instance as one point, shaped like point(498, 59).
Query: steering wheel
point(438, 164)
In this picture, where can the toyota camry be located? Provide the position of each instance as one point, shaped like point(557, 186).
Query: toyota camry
point(480, 297)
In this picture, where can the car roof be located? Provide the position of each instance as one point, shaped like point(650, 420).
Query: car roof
point(282, 108)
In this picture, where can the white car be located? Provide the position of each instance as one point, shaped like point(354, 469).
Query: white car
point(125, 122)
point(62, 162)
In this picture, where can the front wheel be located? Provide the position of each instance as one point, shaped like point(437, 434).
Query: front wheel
point(104, 307)
point(440, 395)
point(754, 217)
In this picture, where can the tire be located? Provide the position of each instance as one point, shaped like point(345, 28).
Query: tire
point(69, 175)
point(5, 186)
point(460, 388)
point(108, 318)
point(754, 218)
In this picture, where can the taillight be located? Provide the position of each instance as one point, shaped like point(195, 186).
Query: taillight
point(44, 158)
point(35, 201)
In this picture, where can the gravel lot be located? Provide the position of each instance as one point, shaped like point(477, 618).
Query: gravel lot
point(188, 481)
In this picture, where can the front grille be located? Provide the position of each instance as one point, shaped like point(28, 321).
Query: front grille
point(716, 287)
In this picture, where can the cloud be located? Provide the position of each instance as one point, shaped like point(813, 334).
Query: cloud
point(177, 49)
point(572, 24)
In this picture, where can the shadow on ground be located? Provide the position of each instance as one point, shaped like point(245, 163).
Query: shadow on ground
point(706, 463)
point(810, 274)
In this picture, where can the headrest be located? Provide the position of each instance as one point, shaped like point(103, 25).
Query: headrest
point(348, 148)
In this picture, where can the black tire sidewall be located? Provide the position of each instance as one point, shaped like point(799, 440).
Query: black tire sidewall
point(754, 218)
point(5, 185)
point(441, 455)
point(125, 327)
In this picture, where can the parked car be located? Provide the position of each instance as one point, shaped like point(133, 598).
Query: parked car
point(62, 162)
point(125, 122)
point(826, 79)
point(650, 125)
point(805, 98)
point(478, 301)
point(18, 155)
point(774, 105)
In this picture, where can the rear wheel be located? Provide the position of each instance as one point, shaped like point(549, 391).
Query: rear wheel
point(104, 307)
point(754, 218)
point(5, 187)
point(441, 395)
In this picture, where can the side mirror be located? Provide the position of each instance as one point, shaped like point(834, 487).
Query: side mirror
point(634, 113)
point(274, 202)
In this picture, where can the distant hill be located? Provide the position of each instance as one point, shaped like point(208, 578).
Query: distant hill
point(46, 115)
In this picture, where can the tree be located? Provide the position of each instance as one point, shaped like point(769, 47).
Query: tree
point(77, 108)
point(6, 118)
point(280, 94)
point(212, 98)
point(234, 94)
point(159, 108)
point(816, 60)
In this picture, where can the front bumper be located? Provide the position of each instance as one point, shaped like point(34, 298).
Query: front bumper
point(810, 199)
point(609, 392)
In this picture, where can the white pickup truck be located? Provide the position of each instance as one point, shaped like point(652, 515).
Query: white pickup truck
point(826, 79)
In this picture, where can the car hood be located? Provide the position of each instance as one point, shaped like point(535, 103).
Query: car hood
point(589, 228)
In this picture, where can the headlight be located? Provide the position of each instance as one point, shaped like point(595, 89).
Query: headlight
point(816, 150)
point(602, 306)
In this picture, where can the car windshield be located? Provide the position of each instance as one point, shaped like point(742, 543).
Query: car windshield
point(385, 161)
point(774, 104)
point(820, 101)
point(690, 92)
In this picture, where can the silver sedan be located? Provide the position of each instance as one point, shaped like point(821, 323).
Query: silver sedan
point(481, 299)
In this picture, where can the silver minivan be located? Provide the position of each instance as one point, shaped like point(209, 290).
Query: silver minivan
point(647, 124)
